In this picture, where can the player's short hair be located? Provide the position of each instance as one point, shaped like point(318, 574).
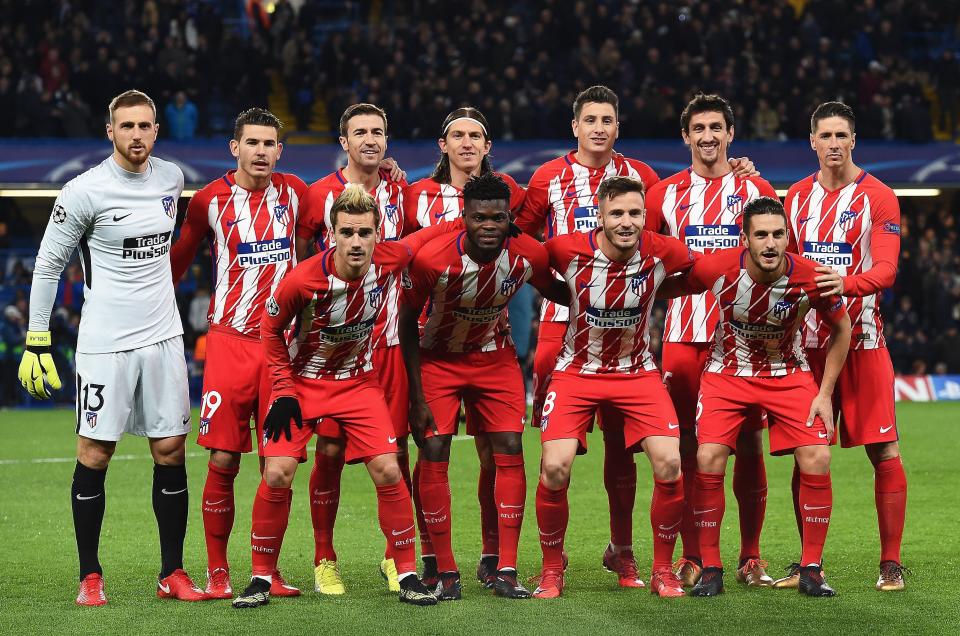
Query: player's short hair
point(255, 117)
point(354, 200)
point(833, 109)
point(616, 186)
point(599, 95)
point(129, 98)
point(441, 173)
point(762, 205)
point(361, 109)
point(706, 104)
point(486, 187)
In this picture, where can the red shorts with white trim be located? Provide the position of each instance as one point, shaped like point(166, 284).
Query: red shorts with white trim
point(391, 373)
point(683, 364)
point(726, 401)
point(863, 396)
point(359, 407)
point(489, 383)
point(236, 387)
point(639, 399)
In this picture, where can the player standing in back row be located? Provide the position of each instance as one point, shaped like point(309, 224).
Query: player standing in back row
point(849, 222)
point(251, 214)
point(131, 370)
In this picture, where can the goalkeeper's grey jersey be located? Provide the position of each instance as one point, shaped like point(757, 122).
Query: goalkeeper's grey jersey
point(121, 223)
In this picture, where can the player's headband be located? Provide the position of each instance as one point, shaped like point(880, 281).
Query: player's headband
point(477, 122)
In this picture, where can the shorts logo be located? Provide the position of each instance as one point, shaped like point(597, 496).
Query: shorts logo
point(781, 309)
point(390, 211)
point(847, 219)
point(59, 215)
point(637, 283)
point(91, 419)
point(169, 206)
point(280, 213)
point(543, 423)
point(204, 425)
point(374, 296)
point(273, 309)
point(508, 285)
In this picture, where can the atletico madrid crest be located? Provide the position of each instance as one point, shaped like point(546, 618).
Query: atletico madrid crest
point(280, 213)
point(847, 219)
point(169, 207)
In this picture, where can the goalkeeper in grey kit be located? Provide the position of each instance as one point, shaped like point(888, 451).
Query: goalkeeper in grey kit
point(131, 371)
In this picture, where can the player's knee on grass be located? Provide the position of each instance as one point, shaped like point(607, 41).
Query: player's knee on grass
point(168, 451)
point(228, 460)
point(278, 472)
point(384, 469)
point(882, 451)
point(813, 460)
point(330, 446)
point(436, 448)
point(93, 453)
point(506, 444)
point(750, 442)
point(712, 458)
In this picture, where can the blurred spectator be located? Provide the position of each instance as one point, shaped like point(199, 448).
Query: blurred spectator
point(181, 117)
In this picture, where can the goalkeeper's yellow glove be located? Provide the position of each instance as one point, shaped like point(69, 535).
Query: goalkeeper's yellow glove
point(36, 363)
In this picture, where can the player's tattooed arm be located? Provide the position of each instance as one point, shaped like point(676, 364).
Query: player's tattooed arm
point(420, 416)
point(837, 347)
point(743, 167)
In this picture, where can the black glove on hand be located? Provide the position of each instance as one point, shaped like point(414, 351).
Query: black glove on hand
point(282, 410)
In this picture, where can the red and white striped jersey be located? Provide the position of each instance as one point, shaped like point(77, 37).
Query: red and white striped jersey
point(466, 301)
point(334, 318)
point(562, 198)
point(759, 330)
point(317, 226)
point(856, 231)
point(608, 331)
point(427, 202)
point(251, 237)
point(705, 214)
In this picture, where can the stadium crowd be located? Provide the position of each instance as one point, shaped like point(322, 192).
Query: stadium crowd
point(521, 63)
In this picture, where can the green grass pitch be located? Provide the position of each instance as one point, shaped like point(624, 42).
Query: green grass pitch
point(38, 565)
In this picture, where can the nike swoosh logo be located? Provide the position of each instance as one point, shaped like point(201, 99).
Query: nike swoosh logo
point(822, 435)
point(806, 507)
point(214, 503)
point(391, 440)
point(439, 215)
point(673, 426)
point(318, 493)
point(120, 218)
point(885, 429)
point(548, 534)
point(586, 285)
point(684, 206)
point(254, 536)
point(233, 222)
point(431, 514)
point(503, 505)
point(165, 588)
point(397, 534)
point(172, 492)
point(703, 512)
point(803, 220)
point(670, 527)
point(186, 420)
point(82, 498)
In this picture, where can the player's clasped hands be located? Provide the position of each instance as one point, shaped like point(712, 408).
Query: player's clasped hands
point(283, 409)
point(829, 281)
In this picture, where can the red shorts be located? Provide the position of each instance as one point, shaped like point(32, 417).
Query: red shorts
point(683, 364)
point(726, 400)
point(236, 387)
point(863, 396)
point(640, 399)
point(391, 373)
point(359, 407)
point(489, 383)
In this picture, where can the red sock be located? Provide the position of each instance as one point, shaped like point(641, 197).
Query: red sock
point(511, 491)
point(666, 513)
point(750, 489)
point(271, 508)
point(324, 501)
point(218, 513)
point(489, 529)
point(426, 546)
point(708, 506)
point(553, 513)
point(890, 489)
point(435, 498)
point(816, 504)
point(689, 535)
point(620, 480)
point(395, 512)
point(795, 489)
point(403, 461)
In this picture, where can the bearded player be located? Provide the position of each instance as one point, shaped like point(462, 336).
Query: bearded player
point(249, 215)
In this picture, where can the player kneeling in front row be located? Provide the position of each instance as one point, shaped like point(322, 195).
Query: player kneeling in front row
point(613, 273)
point(764, 296)
point(465, 353)
point(335, 298)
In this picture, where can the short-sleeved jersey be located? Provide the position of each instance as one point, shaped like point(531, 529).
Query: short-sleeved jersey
point(759, 330)
point(562, 198)
point(251, 234)
point(706, 214)
point(466, 301)
point(856, 231)
point(317, 226)
point(610, 305)
point(122, 224)
point(427, 202)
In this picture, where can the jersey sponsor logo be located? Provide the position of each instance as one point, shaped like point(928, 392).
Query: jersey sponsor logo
point(281, 213)
point(585, 218)
point(847, 219)
point(612, 318)
point(508, 286)
point(347, 333)
point(148, 246)
point(829, 254)
point(260, 253)
point(755, 331)
point(59, 215)
point(478, 314)
point(891, 228)
point(169, 206)
point(711, 237)
point(638, 283)
point(781, 308)
point(272, 307)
